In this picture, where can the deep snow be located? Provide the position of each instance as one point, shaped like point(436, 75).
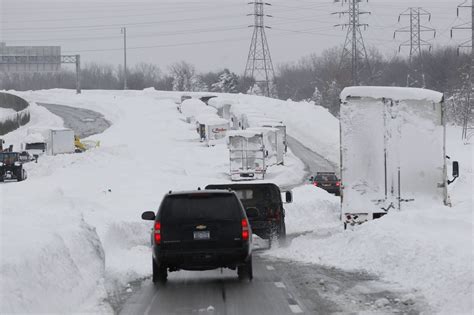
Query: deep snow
point(72, 230)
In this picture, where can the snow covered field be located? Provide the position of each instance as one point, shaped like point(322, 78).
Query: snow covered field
point(72, 232)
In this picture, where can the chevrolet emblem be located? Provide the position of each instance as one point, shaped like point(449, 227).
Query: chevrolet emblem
point(201, 227)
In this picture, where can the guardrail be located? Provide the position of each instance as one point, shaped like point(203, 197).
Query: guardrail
point(12, 122)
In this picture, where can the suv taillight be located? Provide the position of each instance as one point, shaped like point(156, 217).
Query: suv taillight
point(157, 232)
point(338, 184)
point(315, 183)
point(245, 229)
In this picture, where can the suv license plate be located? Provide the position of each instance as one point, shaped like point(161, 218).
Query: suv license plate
point(201, 235)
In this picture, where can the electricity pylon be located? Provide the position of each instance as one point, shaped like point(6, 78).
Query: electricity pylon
point(259, 62)
point(354, 47)
point(468, 107)
point(416, 75)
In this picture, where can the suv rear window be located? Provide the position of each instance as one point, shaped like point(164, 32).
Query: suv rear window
point(326, 178)
point(185, 208)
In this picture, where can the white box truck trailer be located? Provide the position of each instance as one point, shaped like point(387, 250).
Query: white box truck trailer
point(392, 150)
point(247, 155)
point(49, 141)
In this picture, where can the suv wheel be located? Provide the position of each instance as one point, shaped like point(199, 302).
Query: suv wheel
point(160, 273)
point(20, 175)
point(245, 271)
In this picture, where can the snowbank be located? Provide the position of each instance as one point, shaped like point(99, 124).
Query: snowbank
point(429, 249)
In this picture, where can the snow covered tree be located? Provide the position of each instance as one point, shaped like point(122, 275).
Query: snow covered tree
point(198, 84)
point(183, 74)
point(317, 96)
point(330, 98)
point(255, 90)
point(227, 83)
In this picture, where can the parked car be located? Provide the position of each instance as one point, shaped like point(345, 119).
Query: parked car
point(200, 230)
point(327, 181)
point(264, 206)
point(11, 166)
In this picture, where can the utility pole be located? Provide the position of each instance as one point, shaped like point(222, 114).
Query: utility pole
point(259, 62)
point(468, 107)
point(124, 32)
point(354, 47)
point(416, 75)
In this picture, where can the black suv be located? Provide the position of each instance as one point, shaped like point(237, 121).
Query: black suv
point(11, 166)
point(327, 181)
point(263, 205)
point(200, 230)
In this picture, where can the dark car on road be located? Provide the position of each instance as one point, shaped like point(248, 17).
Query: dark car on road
point(11, 166)
point(200, 230)
point(264, 207)
point(327, 181)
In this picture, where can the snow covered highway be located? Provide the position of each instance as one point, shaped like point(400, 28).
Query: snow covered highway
point(90, 252)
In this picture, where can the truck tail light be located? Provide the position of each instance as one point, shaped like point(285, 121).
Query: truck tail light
point(338, 184)
point(157, 231)
point(245, 229)
point(315, 184)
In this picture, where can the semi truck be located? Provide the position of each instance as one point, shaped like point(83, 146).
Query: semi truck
point(49, 141)
point(393, 151)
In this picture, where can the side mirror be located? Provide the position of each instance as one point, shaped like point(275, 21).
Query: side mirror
point(148, 215)
point(455, 169)
point(289, 197)
point(252, 212)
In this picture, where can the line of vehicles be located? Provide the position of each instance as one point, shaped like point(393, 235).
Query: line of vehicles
point(393, 150)
point(38, 142)
point(254, 142)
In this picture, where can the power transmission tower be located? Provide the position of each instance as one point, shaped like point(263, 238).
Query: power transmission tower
point(259, 62)
point(416, 75)
point(354, 47)
point(468, 107)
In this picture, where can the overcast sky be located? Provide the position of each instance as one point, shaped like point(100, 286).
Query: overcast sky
point(211, 34)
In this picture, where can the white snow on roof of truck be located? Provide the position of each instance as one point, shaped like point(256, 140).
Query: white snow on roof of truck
point(396, 93)
point(248, 133)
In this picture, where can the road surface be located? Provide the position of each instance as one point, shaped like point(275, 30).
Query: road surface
point(278, 287)
point(313, 161)
point(84, 122)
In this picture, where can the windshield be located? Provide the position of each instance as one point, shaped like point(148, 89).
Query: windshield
point(8, 158)
point(185, 208)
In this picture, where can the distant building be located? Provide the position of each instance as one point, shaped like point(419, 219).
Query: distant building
point(30, 58)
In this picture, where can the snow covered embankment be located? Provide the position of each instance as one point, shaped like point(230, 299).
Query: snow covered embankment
point(429, 249)
point(73, 228)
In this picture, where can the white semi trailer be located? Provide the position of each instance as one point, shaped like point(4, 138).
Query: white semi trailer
point(392, 150)
point(247, 154)
point(49, 141)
